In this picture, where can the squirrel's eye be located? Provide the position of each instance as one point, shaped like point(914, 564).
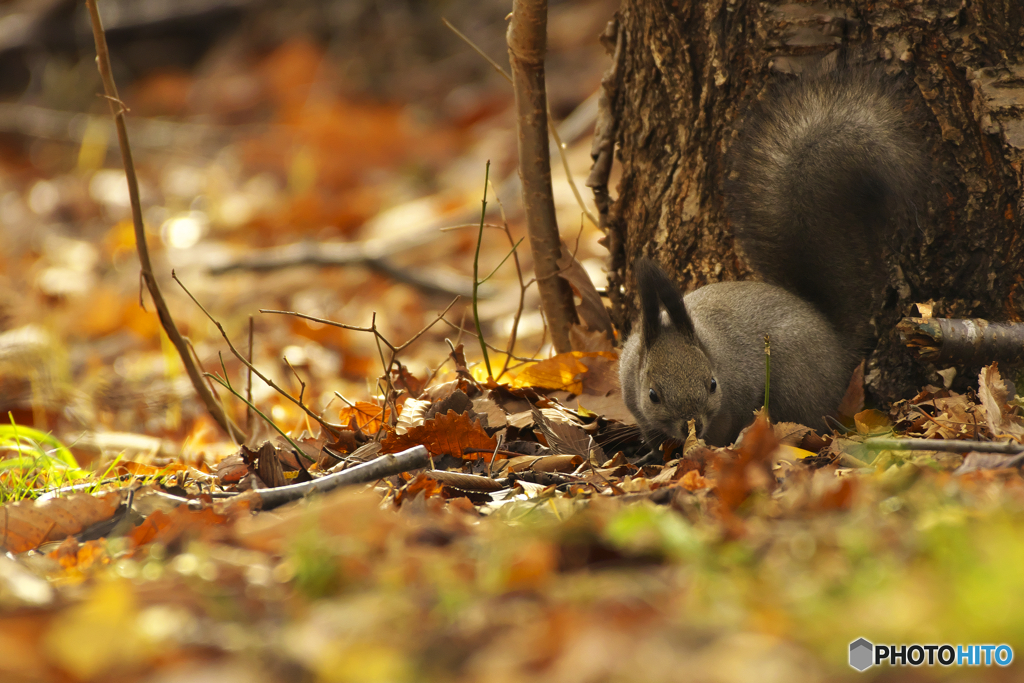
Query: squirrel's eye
point(714, 385)
point(653, 395)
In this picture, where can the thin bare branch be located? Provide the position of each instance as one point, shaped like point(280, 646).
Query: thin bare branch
point(269, 382)
point(552, 128)
point(373, 330)
point(215, 409)
point(248, 383)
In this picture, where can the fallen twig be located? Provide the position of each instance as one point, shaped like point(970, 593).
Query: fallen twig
point(946, 445)
point(117, 109)
point(963, 340)
point(384, 466)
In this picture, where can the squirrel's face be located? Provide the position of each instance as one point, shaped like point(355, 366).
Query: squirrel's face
point(676, 385)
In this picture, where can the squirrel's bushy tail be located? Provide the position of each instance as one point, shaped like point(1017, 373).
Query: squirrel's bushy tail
point(828, 169)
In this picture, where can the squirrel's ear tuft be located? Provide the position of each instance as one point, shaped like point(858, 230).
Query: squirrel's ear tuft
point(656, 290)
point(647, 279)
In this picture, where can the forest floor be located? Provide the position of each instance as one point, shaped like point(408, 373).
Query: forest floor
point(535, 545)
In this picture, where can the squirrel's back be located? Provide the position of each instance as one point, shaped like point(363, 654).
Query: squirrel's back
point(826, 171)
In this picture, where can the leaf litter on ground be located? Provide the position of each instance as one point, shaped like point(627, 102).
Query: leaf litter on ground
point(540, 542)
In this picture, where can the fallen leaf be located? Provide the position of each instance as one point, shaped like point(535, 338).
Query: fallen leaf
point(99, 635)
point(564, 371)
point(368, 417)
point(27, 523)
point(872, 422)
point(166, 528)
point(450, 434)
point(994, 394)
point(693, 481)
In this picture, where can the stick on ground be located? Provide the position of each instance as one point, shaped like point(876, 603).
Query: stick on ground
point(385, 466)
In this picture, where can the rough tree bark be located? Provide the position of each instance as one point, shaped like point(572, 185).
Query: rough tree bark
point(684, 72)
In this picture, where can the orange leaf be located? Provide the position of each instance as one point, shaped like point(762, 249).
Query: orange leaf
point(368, 416)
point(71, 554)
point(451, 434)
point(750, 469)
point(693, 480)
point(166, 527)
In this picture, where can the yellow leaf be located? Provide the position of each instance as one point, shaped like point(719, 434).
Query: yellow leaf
point(100, 634)
point(872, 422)
point(562, 372)
point(794, 453)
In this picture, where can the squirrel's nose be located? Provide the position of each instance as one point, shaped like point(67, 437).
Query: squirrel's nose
point(698, 428)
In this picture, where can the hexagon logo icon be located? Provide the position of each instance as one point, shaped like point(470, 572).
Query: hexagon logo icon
point(861, 654)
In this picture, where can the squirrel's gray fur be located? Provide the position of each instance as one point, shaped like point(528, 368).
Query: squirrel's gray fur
point(826, 170)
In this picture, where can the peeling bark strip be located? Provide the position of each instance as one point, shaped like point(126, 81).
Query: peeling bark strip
point(688, 72)
point(527, 43)
point(973, 341)
point(602, 150)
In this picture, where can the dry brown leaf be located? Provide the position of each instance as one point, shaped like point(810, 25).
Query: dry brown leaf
point(790, 433)
point(74, 555)
point(449, 434)
point(268, 466)
point(693, 481)
point(591, 309)
point(994, 394)
point(485, 407)
point(564, 435)
point(602, 378)
point(585, 339)
point(853, 400)
point(465, 482)
point(141, 470)
point(544, 463)
point(28, 523)
point(610, 407)
point(412, 415)
point(406, 381)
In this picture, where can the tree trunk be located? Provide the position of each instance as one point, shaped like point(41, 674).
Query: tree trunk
point(684, 73)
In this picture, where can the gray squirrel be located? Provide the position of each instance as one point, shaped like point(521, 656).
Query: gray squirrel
point(825, 172)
